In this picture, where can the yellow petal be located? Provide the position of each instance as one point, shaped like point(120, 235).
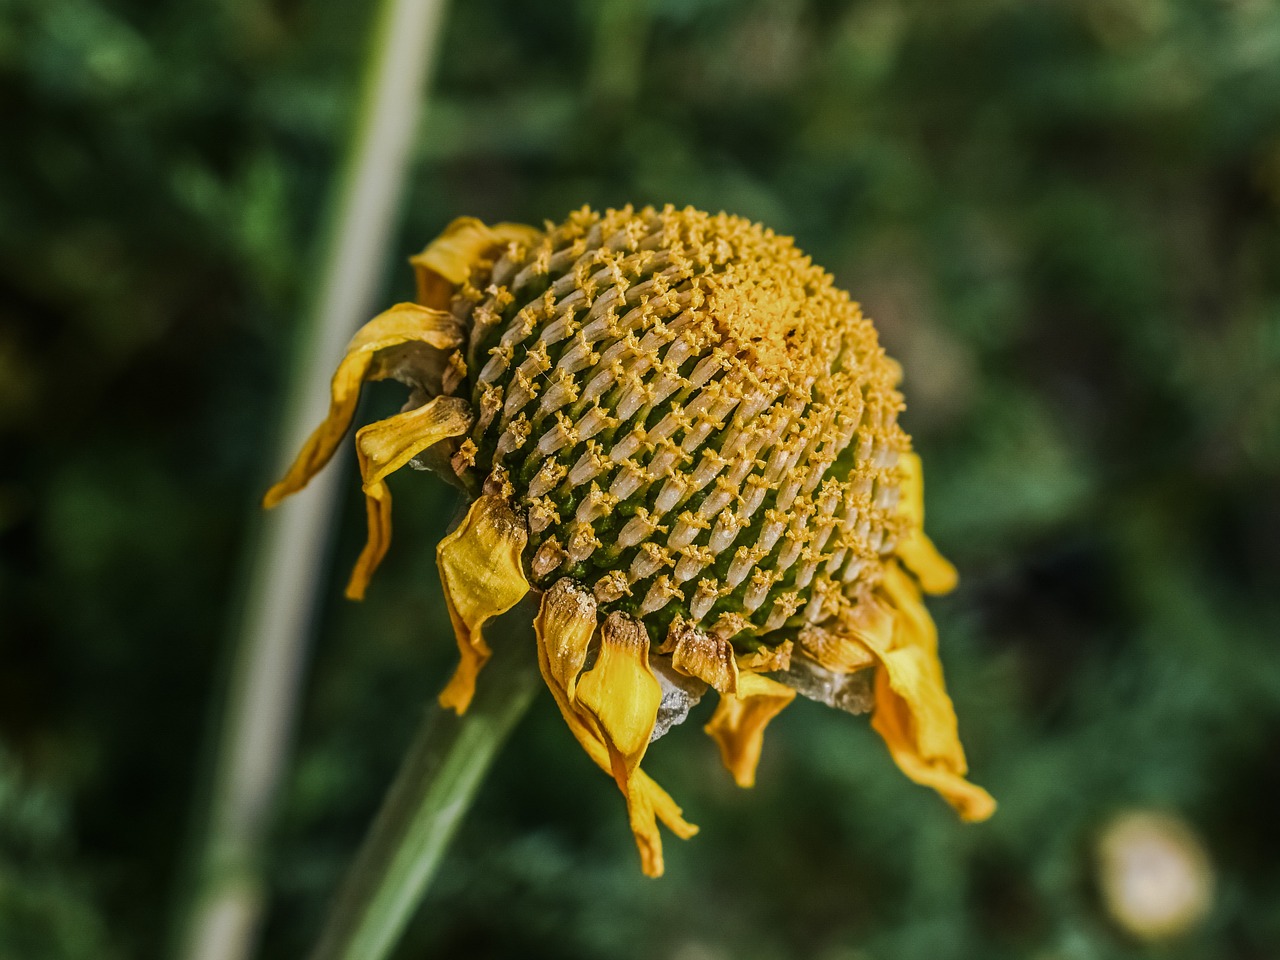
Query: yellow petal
point(383, 448)
point(913, 713)
point(873, 622)
point(566, 622)
point(668, 810)
point(738, 724)
point(897, 723)
point(698, 654)
point(916, 550)
point(908, 618)
point(621, 693)
point(644, 827)
point(403, 323)
point(481, 576)
point(408, 323)
point(645, 798)
point(448, 259)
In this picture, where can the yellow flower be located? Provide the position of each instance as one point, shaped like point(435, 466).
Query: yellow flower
point(678, 431)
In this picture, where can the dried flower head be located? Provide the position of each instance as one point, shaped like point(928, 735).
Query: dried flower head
point(684, 436)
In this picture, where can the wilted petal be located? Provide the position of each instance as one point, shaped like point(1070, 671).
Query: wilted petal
point(621, 693)
point(383, 448)
point(481, 576)
point(566, 624)
point(738, 724)
point(403, 323)
point(916, 550)
point(645, 799)
point(835, 648)
point(913, 713)
point(768, 659)
point(698, 654)
point(448, 259)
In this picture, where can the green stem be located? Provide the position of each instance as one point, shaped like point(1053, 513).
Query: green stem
point(219, 914)
point(422, 811)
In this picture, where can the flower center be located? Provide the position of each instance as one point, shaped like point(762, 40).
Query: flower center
point(696, 422)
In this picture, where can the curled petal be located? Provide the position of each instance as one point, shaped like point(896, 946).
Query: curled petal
point(621, 693)
point(895, 723)
point(913, 713)
point(916, 550)
point(566, 622)
point(641, 817)
point(646, 801)
point(480, 572)
point(383, 448)
point(448, 259)
point(738, 724)
point(405, 323)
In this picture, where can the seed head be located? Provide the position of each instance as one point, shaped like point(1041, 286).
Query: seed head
point(679, 431)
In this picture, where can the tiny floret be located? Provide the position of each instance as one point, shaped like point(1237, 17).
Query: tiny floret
point(684, 437)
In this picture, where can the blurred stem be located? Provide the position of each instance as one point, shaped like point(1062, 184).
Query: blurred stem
point(422, 811)
point(221, 918)
point(617, 66)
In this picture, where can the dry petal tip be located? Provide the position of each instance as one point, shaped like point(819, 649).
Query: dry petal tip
point(567, 622)
point(696, 653)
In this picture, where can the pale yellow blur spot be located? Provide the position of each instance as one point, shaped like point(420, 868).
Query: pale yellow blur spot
point(1156, 878)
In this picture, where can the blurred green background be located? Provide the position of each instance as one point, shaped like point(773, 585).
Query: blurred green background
point(1065, 218)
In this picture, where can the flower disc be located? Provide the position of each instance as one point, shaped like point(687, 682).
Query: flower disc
point(696, 422)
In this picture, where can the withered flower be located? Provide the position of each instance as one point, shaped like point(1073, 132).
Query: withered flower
point(679, 432)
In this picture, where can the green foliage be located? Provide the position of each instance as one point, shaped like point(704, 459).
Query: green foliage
point(1064, 218)
point(46, 903)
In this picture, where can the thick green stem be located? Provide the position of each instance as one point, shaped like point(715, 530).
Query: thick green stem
point(430, 796)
